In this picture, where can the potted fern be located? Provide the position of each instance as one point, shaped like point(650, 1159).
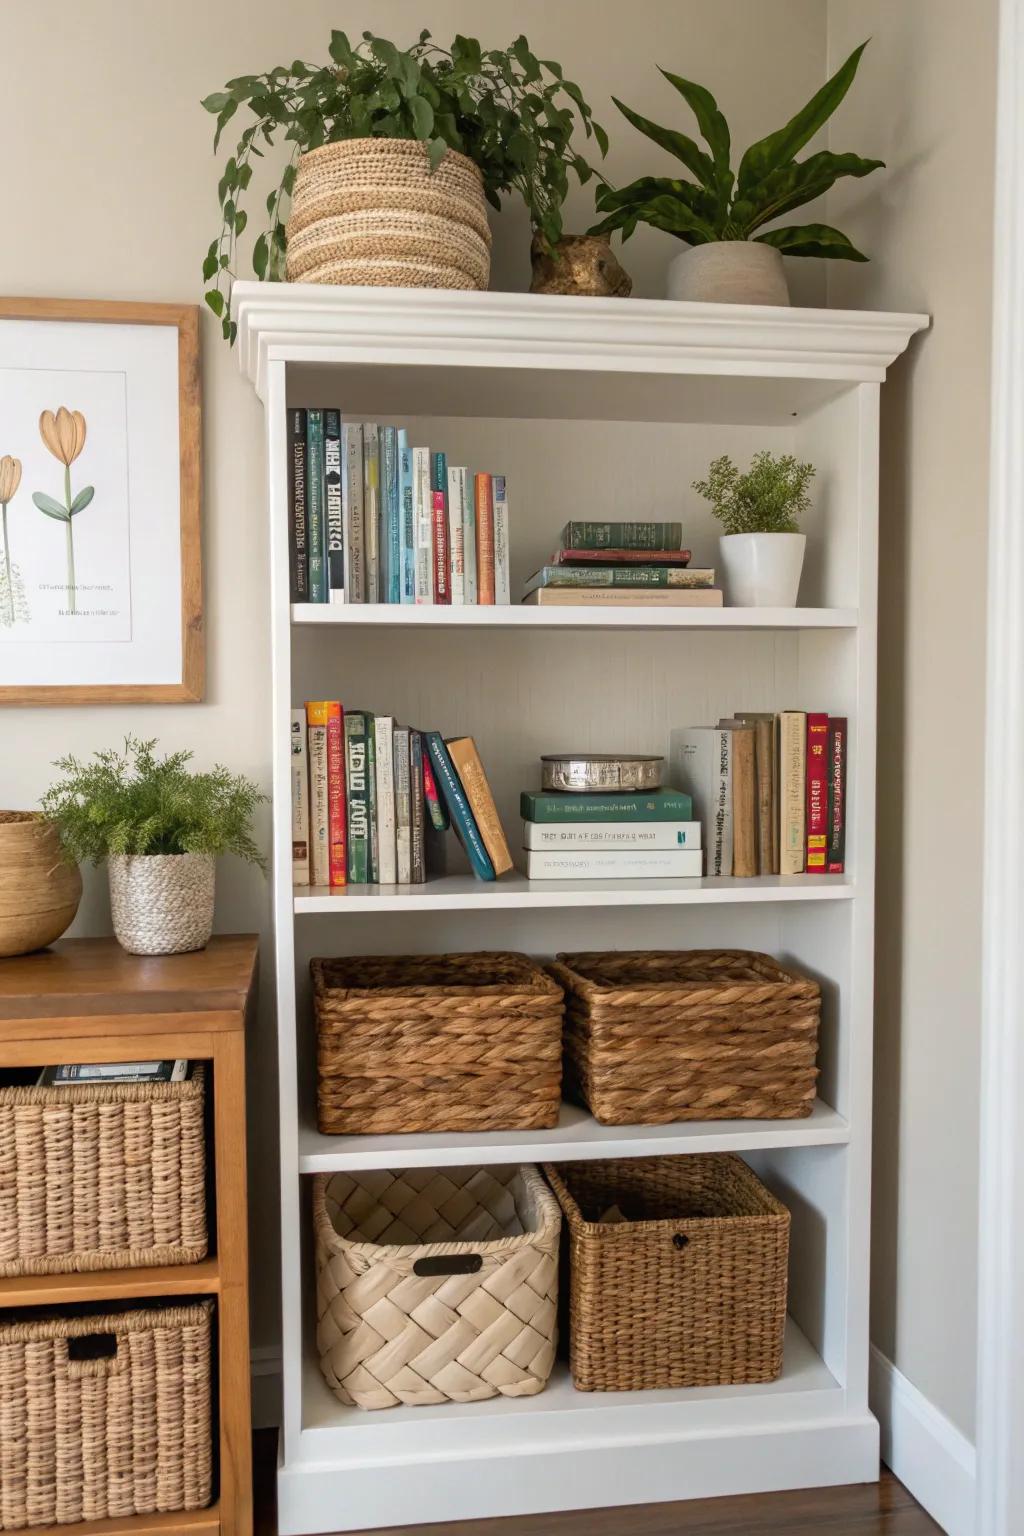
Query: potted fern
point(160, 827)
point(720, 216)
point(762, 548)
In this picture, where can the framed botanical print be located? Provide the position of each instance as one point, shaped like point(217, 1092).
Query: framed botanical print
point(101, 592)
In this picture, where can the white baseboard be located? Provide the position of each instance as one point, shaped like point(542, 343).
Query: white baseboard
point(265, 1365)
point(928, 1454)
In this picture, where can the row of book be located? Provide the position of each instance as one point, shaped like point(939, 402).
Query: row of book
point(622, 564)
point(372, 799)
point(374, 520)
point(770, 790)
point(616, 836)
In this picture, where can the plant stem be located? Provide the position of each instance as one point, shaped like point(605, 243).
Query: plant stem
point(70, 538)
point(7, 563)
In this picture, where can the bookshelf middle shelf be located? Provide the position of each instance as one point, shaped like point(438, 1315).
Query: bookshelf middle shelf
point(513, 616)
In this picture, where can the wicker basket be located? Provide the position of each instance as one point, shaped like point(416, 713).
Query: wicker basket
point(709, 1034)
point(436, 1285)
point(104, 1176)
point(436, 1043)
point(372, 211)
point(677, 1272)
point(104, 1416)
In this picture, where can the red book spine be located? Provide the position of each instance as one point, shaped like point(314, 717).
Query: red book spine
point(835, 863)
point(620, 557)
point(337, 818)
point(484, 539)
point(442, 558)
point(817, 793)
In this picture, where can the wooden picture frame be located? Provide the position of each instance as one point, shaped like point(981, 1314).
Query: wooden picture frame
point(189, 686)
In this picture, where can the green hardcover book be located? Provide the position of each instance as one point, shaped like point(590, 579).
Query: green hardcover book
point(620, 576)
point(661, 536)
point(316, 514)
point(372, 859)
point(656, 805)
point(356, 783)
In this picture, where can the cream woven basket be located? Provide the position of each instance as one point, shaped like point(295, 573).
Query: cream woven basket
point(435, 1286)
point(371, 211)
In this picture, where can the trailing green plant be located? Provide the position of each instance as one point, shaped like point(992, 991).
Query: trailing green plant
point(513, 114)
point(136, 802)
point(720, 205)
point(769, 498)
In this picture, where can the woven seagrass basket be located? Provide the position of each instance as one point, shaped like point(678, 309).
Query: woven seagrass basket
point(436, 1285)
point(657, 1036)
point(436, 1043)
point(105, 1416)
point(371, 211)
point(101, 1176)
point(677, 1272)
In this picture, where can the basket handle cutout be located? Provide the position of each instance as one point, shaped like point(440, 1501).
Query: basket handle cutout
point(448, 1264)
point(680, 1240)
point(92, 1347)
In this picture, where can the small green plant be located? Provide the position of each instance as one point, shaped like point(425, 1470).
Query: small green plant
point(511, 113)
point(136, 802)
point(769, 498)
point(770, 181)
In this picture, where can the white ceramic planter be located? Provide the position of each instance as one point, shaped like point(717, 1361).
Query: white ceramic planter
point(729, 272)
point(162, 903)
point(762, 570)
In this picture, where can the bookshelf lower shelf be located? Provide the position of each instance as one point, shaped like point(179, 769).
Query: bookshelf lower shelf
point(514, 616)
point(200, 1279)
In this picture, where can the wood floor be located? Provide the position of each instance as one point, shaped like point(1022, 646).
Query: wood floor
point(871, 1509)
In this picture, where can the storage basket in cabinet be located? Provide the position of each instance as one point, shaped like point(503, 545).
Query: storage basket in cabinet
point(105, 1415)
point(677, 1272)
point(657, 1036)
point(435, 1285)
point(102, 1176)
point(436, 1043)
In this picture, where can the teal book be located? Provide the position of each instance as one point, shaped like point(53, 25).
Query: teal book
point(316, 514)
point(356, 795)
point(624, 805)
point(450, 787)
point(673, 576)
point(391, 591)
point(584, 535)
point(373, 850)
point(371, 510)
point(406, 532)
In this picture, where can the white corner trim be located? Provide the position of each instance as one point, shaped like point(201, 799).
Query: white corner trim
point(928, 1454)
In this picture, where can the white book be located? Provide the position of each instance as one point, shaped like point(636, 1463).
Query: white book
point(384, 729)
point(319, 817)
point(352, 511)
point(792, 770)
point(423, 524)
point(632, 836)
point(700, 762)
point(457, 533)
point(468, 536)
point(371, 509)
point(502, 583)
point(403, 807)
point(300, 800)
point(616, 864)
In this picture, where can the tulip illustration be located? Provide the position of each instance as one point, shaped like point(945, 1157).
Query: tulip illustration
point(13, 597)
point(63, 433)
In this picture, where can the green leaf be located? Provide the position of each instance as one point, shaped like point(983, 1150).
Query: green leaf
point(711, 123)
point(50, 507)
point(602, 138)
point(83, 499)
point(800, 182)
point(241, 220)
point(260, 257)
point(466, 54)
point(422, 114)
point(209, 267)
point(386, 52)
point(768, 154)
point(436, 151)
point(668, 213)
point(677, 144)
point(526, 60)
point(341, 49)
point(215, 299)
point(217, 102)
point(812, 240)
point(223, 117)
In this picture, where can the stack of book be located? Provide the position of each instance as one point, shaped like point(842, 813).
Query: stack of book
point(770, 790)
point(104, 1072)
point(621, 835)
point(371, 800)
point(622, 565)
point(374, 520)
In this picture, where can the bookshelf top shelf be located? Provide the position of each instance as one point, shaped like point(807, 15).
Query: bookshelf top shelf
point(506, 333)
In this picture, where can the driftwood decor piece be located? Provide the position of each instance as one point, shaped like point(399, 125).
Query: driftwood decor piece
point(581, 264)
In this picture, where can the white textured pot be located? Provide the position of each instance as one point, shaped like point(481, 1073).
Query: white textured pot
point(762, 570)
point(161, 903)
point(729, 272)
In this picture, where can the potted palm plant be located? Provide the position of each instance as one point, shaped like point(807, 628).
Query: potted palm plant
point(720, 216)
point(160, 827)
point(762, 548)
point(394, 154)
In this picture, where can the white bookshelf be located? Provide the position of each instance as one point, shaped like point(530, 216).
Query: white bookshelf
point(618, 405)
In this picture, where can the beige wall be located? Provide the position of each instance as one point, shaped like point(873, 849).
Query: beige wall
point(110, 192)
point(924, 102)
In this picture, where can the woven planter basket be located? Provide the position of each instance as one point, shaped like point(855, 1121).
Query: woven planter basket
point(105, 1176)
point(162, 903)
point(689, 1290)
point(371, 211)
point(39, 889)
point(436, 1043)
point(709, 1034)
point(105, 1416)
point(435, 1285)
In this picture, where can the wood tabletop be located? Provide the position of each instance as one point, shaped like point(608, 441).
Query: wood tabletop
point(84, 978)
